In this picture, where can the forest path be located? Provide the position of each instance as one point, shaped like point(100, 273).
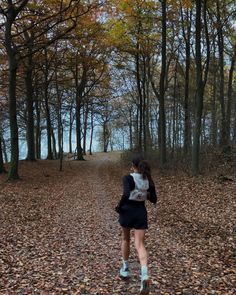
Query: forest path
point(59, 232)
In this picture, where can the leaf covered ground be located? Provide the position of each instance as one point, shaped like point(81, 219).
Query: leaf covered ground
point(59, 232)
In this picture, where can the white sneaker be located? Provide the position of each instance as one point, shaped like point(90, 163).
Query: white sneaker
point(124, 272)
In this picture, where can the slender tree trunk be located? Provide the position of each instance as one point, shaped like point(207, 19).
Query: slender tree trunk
point(71, 129)
point(30, 110)
point(140, 98)
point(223, 140)
point(147, 107)
point(187, 135)
point(47, 109)
point(86, 112)
point(54, 145)
point(12, 62)
point(79, 92)
point(144, 109)
point(91, 133)
point(136, 130)
point(130, 130)
point(38, 129)
point(13, 172)
point(229, 105)
point(213, 101)
point(187, 36)
point(106, 136)
point(59, 123)
point(162, 119)
point(49, 127)
point(4, 149)
point(2, 168)
point(78, 130)
point(234, 121)
point(199, 92)
point(174, 111)
point(11, 14)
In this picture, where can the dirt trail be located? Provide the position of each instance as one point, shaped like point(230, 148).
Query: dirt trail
point(59, 232)
point(67, 242)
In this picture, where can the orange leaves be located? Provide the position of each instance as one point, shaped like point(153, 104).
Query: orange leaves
point(60, 234)
point(187, 3)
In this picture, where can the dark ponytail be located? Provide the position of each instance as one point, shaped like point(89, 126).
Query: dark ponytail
point(145, 170)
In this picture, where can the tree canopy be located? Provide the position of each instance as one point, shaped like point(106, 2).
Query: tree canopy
point(157, 75)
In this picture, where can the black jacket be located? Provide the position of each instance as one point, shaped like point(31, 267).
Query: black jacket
point(129, 185)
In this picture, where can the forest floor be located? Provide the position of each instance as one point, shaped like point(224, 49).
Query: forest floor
point(59, 232)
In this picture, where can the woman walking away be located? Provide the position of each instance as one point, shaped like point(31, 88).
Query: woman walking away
point(137, 188)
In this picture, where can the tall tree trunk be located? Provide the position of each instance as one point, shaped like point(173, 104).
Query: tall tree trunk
point(38, 129)
point(130, 130)
point(29, 96)
point(30, 110)
point(187, 35)
point(106, 136)
point(11, 14)
point(86, 112)
point(79, 92)
point(12, 62)
point(47, 108)
point(49, 127)
point(174, 117)
point(54, 145)
point(91, 133)
point(140, 99)
point(162, 119)
point(4, 149)
point(59, 122)
point(2, 168)
point(199, 92)
point(213, 100)
point(234, 121)
point(229, 104)
point(220, 35)
point(71, 128)
point(144, 109)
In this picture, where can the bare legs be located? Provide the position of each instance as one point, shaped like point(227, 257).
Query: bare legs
point(125, 244)
point(139, 236)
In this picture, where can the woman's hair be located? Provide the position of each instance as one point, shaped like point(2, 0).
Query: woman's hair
point(143, 167)
point(136, 160)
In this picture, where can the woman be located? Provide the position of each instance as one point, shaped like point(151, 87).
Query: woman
point(137, 188)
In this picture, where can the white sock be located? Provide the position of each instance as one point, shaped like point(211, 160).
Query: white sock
point(144, 271)
point(125, 263)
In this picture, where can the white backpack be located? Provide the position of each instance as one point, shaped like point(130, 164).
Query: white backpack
point(141, 186)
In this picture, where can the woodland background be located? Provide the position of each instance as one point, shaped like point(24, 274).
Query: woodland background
point(152, 76)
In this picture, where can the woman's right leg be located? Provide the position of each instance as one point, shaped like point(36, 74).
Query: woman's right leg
point(125, 250)
point(139, 237)
point(125, 243)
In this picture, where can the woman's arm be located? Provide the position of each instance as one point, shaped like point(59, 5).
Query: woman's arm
point(128, 186)
point(152, 196)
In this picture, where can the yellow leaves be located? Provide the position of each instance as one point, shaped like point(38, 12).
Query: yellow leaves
point(126, 6)
point(118, 34)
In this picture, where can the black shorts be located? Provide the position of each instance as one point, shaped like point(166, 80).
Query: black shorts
point(133, 217)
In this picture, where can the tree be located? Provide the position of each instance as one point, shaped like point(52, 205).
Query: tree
point(162, 115)
point(10, 14)
point(199, 91)
point(2, 168)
